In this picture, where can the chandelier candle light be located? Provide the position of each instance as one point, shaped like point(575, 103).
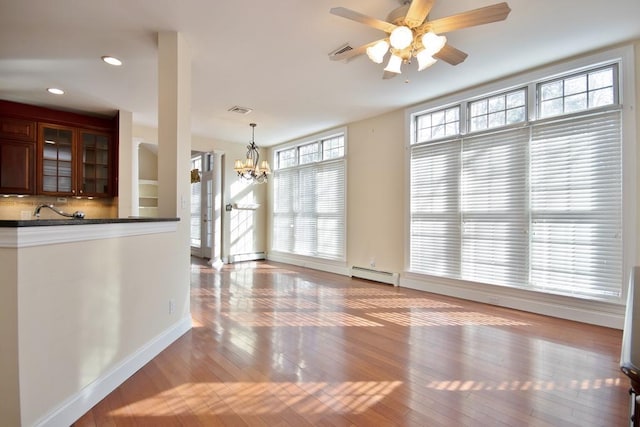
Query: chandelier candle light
point(251, 169)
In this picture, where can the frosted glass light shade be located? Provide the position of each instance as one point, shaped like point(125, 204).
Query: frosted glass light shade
point(395, 62)
point(401, 37)
point(433, 43)
point(425, 60)
point(377, 52)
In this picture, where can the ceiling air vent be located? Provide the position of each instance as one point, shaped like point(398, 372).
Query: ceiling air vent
point(342, 49)
point(240, 110)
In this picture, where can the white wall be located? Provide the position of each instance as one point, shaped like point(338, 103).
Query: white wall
point(376, 187)
point(96, 309)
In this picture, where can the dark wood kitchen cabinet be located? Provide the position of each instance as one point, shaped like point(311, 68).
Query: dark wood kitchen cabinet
point(75, 162)
point(17, 156)
point(95, 168)
point(56, 153)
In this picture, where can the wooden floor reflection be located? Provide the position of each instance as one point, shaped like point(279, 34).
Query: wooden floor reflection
point(276, 345)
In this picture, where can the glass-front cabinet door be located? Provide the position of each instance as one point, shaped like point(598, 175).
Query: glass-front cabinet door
point(56, 155)
point(94, 179)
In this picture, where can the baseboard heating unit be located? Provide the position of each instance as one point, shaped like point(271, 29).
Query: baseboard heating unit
point(375, 275)
point(247, 257)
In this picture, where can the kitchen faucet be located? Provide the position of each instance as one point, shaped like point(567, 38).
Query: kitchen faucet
point(76, 214)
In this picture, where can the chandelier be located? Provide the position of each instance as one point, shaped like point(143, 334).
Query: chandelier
point(250, 169)
point(405, 43)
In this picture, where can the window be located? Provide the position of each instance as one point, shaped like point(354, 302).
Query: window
point(438, 124)
point(286, 158)
point(498, 110)
point(308, 153)
point(333, 148)
point(309, 199)
point(538, 206)
point(579, 92)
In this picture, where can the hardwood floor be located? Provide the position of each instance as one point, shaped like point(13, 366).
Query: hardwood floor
point(276, 345)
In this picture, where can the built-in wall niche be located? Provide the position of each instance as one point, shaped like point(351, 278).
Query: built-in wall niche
point(148, 180)
point(148, 197)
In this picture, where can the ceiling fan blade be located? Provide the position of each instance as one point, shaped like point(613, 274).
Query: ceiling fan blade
point(352, 52)
point(363, 19)
point(388, 75)
point(483, 15)
point(451, 55)
point(418, 11)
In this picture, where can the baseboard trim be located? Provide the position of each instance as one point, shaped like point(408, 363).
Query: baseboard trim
point(77, 405)
point(591, 312)
point(335, 267)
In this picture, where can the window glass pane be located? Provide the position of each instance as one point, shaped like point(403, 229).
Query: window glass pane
point(496, 119)
point(575, 103)
point(516, 115)
point(438, 118)
point(438, 131)
point(575, 85)
point(551, 108)
point(437, 124)
point(551, 90)
point(286, 158)
point(333, 148)
point(309, 153)
point(478, 108)
point(600, 79)
point(601, 97)
point(478, 123)
point(496, 104)
point(516, 99)
point(452, 115)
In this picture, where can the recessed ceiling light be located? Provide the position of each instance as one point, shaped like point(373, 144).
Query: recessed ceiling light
point(112, 60)
point(55, 91)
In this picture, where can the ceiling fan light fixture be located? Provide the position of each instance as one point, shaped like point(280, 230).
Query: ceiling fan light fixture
point(377, 52)
point(433, 43)
point(425, 60)
point(395, 62)
point(401, 37)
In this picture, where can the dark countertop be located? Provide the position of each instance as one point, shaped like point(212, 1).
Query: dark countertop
point(14, 223)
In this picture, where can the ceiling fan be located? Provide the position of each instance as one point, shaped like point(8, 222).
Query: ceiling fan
point(410, 34)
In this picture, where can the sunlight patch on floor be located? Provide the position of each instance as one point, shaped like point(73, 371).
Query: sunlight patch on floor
point(263, 398)
point(525, 385)
point(298, 319)
point(445, 318)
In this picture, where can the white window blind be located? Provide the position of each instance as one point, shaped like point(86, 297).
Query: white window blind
point(576, 206)
point(309, 210)
point(435, 213)
point(538, 207)
point(495, 216)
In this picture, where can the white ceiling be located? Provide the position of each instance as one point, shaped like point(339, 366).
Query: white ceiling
point(272, 56)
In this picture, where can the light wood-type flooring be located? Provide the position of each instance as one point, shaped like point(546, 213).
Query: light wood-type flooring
point(275, 345)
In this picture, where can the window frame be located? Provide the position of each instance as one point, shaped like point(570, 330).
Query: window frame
point(319, 139)
point(624, 57)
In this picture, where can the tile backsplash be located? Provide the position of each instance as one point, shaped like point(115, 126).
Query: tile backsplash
point(13, 207)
